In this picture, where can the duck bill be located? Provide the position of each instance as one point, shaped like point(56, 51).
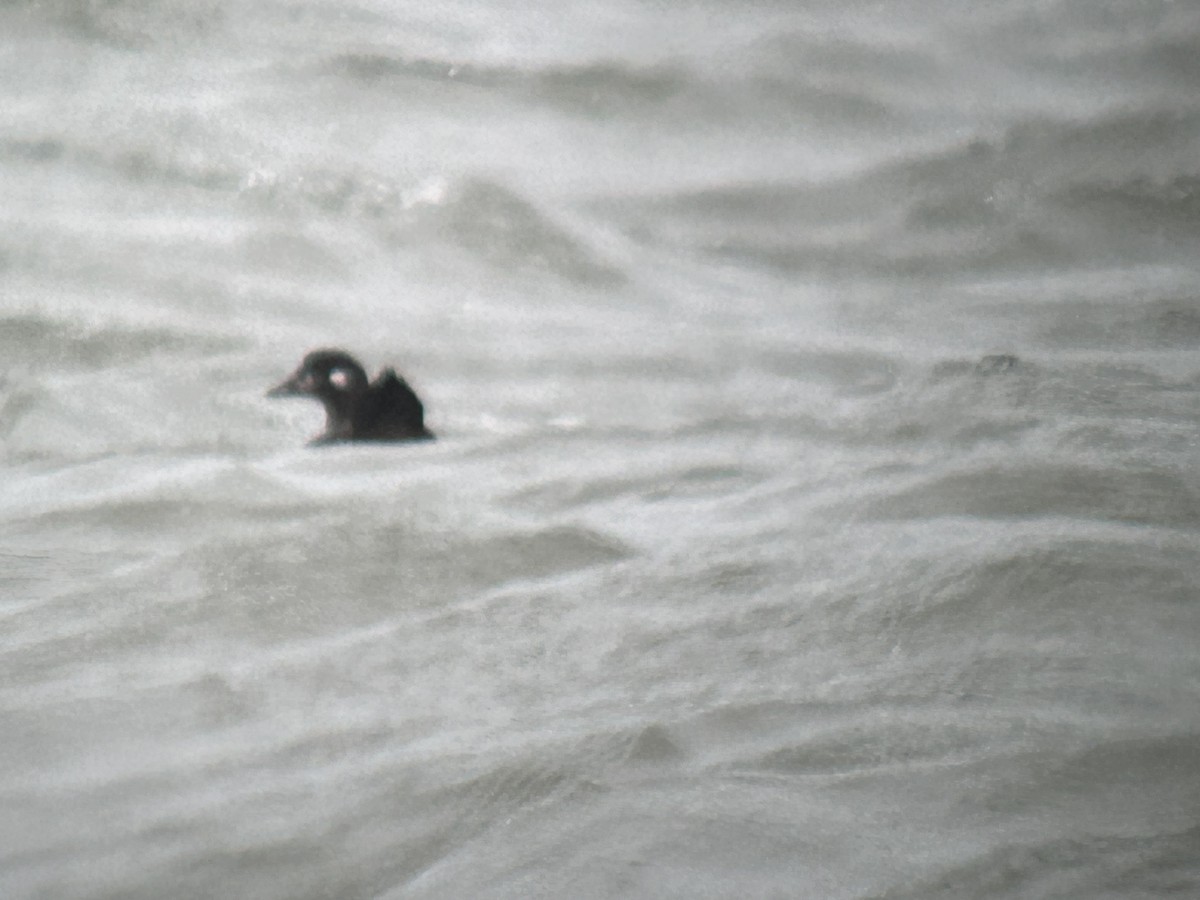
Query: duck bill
point(289, 388)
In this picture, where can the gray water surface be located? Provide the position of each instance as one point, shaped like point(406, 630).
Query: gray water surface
point(815, 509)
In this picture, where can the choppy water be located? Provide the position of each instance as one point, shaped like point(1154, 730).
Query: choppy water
point(816, 508)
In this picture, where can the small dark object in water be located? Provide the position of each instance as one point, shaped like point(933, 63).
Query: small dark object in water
point(996, 363)
point(386, 409)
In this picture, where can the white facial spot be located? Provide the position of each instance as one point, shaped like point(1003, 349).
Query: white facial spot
point(339, 378)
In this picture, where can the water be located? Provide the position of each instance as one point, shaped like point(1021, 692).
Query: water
point(815, 509)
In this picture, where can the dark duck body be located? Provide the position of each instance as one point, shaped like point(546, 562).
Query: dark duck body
point(385, 409)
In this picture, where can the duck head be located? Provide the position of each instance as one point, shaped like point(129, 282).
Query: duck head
point(333, 377)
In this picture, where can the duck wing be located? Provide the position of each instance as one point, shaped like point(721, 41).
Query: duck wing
point(391, 410)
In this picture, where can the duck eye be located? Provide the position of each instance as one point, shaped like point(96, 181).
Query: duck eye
point(339, 378)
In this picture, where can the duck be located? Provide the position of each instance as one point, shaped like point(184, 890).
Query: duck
point(386, 409)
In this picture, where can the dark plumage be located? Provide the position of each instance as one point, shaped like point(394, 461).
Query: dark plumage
point(386, 409)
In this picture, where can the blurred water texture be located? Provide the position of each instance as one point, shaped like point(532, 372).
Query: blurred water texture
point(815, 508)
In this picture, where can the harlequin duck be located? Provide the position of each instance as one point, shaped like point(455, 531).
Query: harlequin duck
point(386, 409)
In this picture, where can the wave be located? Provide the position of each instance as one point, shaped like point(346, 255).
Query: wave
point(1043, 195)
point(1136, 319)
point(611, 88)
point(145, 165)
point(1170, 206)
point(500, 226)
point(1146, 497)
point(131, 24)
point(492, 222)
point(1074, 868)
point(591, 87)
point(31, 341)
